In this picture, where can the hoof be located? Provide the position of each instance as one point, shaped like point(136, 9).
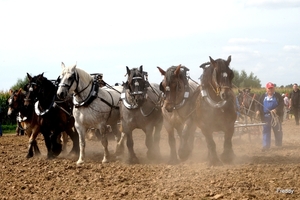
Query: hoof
point(79, 162)
point(173, 162)
point(29, 155)
point(227, 158)
point(184, 154)
point(133, 160)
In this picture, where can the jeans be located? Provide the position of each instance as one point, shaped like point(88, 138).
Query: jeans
point(277, 129)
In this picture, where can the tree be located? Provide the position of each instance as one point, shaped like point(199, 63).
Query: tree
point(242, 80)
point(20, 84)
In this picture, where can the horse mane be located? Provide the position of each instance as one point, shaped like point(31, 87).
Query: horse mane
point(86, 77)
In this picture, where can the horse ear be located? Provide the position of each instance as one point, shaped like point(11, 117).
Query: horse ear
point(10, 91)
point(141, 68)
point(177, 71)
point(212, 61)
point(228, 60)
point(63, 65)
point(29, 77)
point(128, 71)
point(163, 72)
point(20, 90)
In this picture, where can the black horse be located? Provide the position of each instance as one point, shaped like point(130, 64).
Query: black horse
point(215, 108)
point(140, 108)
point(54, 117)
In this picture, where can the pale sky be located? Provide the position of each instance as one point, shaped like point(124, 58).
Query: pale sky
point(262, 36)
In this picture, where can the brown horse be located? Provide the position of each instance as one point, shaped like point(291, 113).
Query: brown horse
point(215, 107)
point(140, 108)
point(178, 91)
point(27, 119)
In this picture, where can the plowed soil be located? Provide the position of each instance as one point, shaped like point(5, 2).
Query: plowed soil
point(274, 174)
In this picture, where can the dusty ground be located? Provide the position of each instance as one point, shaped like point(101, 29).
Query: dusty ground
point(254, 175)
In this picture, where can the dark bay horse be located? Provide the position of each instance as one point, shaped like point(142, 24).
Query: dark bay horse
point(140, 108)
point(178, 91)
point(215, 107)
point(27, 119)
point(53, 116)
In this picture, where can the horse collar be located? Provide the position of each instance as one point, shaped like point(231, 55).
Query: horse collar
point(125, 102)
point(185, 97)
point(210, 101)
point(92, 95)
point(37, 108)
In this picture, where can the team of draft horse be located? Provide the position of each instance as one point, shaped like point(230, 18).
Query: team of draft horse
point(78, 101)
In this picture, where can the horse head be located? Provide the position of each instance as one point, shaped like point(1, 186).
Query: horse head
point(174, 86)
point(218, 76)
point(68, 77)
point(15, 101)
point(137, 83)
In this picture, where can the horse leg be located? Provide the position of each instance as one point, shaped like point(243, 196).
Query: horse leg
point(104, 143)
point(187, 140)
point(72, 132)
point(33, 147)
point(48, 144)
point(120, 145)
point(211, 146)
point(156, 139)
point(81, 135)
point(228, 155)
point(172, 143)
point(132, 157)
point(119, 137)
point(149, 142)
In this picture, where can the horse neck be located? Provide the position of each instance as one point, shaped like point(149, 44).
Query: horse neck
point(84, 86)
point(48, 97)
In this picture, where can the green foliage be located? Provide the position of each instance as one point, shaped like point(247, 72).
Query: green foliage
point(4, 107)
point(9, 128)
point(20, 84)
point(242, 80)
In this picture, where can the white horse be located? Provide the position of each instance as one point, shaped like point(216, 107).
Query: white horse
point(94, 107)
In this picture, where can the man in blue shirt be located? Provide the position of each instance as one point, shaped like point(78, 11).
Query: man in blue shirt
point(270, 110)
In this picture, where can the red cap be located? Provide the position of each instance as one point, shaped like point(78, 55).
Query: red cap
point(269, 85)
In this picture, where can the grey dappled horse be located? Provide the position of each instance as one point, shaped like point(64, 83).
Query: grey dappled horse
point(140, 109)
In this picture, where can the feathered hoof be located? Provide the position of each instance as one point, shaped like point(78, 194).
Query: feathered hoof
point(133, 160)
point(215, 163)
point(173, 161)
point(184, 154)
point(227, 157)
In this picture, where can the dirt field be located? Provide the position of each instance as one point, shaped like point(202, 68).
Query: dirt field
point(254, 175)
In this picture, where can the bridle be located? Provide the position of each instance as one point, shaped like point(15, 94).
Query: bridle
point(178, 86)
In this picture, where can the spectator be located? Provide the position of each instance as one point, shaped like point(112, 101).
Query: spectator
point(270, 111)
point(295, 102)
point(286, 106)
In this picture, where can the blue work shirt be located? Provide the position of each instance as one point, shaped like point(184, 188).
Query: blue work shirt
point(269, 103)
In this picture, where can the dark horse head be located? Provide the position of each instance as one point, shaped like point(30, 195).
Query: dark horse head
point(15, 102)
point(137, 83)
point(174, 86)
point(217, 77)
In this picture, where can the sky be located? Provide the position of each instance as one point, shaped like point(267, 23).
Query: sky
point(262, 37)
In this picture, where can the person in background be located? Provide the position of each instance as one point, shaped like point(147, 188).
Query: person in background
point(270, 110)
point(295, 102)
point(286, 106)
